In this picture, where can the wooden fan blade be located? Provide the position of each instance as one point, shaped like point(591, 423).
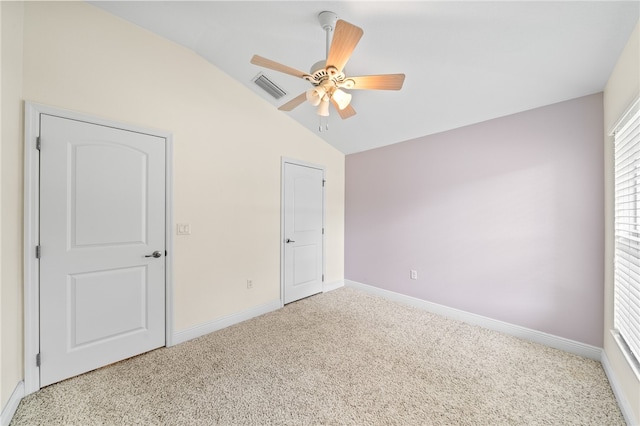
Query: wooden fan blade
point(345, 38)
point(294, 102)
point(276, 66)
point(345, 113)
point(378, 82)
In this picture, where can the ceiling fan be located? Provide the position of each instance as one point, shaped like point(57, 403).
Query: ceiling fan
point(327, 76)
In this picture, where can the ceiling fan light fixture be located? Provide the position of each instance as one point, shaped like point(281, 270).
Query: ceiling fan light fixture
point(328, 75)
point(315, 95)
point(342, 98)
point(323, 108)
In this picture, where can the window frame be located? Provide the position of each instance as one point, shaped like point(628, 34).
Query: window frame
point(630, 351)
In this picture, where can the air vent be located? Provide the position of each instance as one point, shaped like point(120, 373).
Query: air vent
point(269, 86)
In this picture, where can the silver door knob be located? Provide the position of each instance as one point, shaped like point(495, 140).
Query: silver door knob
point(289, 241)
point(155, 254)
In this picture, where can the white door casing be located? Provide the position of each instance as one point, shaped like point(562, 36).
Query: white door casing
point(303, 236)
point(97, 201)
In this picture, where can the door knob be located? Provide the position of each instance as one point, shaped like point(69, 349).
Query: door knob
point(155, 254)
point(289, 241)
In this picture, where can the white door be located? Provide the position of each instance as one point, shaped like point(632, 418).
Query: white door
point(303, 233)
point(102, 217)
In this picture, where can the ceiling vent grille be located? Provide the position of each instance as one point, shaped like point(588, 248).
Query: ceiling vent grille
point(269, 86)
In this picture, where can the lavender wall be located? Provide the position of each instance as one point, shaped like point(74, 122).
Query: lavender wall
point(502, 219)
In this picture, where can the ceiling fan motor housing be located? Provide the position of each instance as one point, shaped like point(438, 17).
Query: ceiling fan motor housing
point(321, 76)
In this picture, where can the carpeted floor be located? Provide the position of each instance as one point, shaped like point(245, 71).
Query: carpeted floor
point(340, 358)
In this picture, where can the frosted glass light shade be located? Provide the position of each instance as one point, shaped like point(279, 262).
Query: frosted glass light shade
point(342, 98)
point(323, 108)
point(315, 95)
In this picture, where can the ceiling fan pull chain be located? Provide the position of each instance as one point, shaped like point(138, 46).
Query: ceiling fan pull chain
point(326, 124)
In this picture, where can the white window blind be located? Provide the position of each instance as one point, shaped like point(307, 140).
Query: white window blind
point(627, 231)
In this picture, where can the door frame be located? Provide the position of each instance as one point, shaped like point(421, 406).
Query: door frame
point(31, 266)
point(285, 160)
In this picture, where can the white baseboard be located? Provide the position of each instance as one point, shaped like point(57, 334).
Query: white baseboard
point(12, 404)
point(332, 286)
point(219, 324)
point(623, 402)
point(567, 345)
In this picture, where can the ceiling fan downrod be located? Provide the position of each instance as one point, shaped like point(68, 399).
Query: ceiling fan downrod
point(328, 23)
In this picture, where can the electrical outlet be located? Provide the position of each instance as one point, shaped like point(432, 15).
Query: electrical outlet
point(249, 284)
point(414, 274)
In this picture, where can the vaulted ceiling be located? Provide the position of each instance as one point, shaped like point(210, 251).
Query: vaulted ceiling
point(465, 61)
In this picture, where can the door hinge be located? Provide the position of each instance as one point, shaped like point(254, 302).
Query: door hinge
point(37, 252)
point(38, 360)
point(323, 182)
point(322, 231)
point(38, 143)
point(322, 277)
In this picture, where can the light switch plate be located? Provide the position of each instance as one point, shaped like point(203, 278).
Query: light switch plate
point(183, 229)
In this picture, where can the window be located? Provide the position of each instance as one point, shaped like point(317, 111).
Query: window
point(627, 230)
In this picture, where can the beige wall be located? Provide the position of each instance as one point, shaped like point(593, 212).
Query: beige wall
point(621, 90)
point(228, 144)
point(11, 200)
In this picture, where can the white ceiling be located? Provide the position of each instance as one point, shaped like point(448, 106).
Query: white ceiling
point(465, 61)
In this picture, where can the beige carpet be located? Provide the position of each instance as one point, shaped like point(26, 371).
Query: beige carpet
point(340, 358)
